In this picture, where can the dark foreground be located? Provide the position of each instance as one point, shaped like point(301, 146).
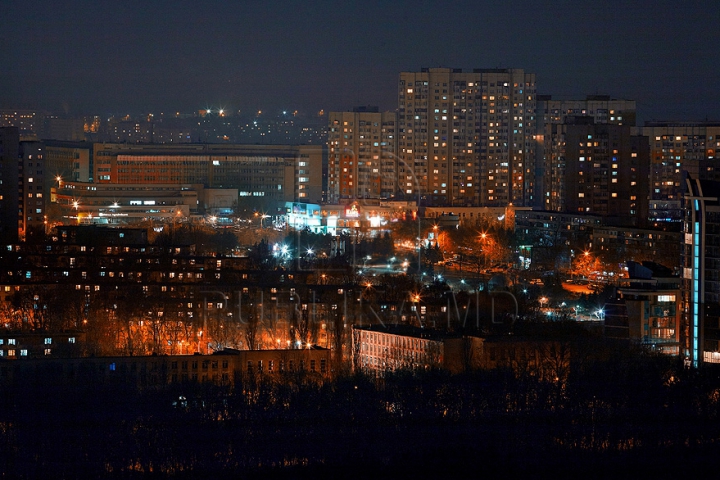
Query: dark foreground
point(622, 418)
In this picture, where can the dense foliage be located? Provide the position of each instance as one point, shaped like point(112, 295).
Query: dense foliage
point(628, 414)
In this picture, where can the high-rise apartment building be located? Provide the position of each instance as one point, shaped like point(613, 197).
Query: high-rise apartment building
point(601, 108)
point(28, 122)
point(701, 271)
point(596, 169)
point(32, 190)
point(362, 155)
point(9, 178)
point(675, 147)
point(467, 138)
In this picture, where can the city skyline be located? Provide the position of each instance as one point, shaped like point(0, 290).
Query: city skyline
point(137, 57)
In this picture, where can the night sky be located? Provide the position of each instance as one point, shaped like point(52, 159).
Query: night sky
point(154, 56)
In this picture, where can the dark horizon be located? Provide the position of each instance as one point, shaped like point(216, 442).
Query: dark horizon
point(136, 57)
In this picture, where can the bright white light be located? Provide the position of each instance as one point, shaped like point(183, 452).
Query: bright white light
point(310, 251)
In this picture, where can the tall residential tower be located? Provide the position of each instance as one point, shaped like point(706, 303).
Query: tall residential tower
point(362, 155)
point(467, 138)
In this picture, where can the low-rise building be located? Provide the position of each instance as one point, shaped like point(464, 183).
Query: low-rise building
point(16, 345)
point(388, 348)
point(222, 368)
point(646, 310)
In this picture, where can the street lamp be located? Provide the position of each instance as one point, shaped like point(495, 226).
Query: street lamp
point(76, 206)
point(483, 240)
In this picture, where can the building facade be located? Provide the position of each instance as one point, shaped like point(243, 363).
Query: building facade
point(68, 162)
point(467, 138)
point(91, 203)
point(275, 172)
point(362, 155)
point(33, 195)
point(386, 348)
point(28, 122)
point(646, 310)
point(9, 191)
point(601, 108)
point(627, 243)
point(596, 169)
point(676, 147)
point(222, 368)
point(701, 272)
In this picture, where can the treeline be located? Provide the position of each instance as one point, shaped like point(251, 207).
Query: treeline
point(629, 414)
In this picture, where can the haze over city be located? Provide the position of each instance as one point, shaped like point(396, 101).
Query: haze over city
point(134, 57)
point(359, 240)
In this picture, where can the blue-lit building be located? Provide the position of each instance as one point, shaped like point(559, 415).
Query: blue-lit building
point(701, 272)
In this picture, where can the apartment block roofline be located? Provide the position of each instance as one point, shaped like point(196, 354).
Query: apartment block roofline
point(474, 70)
point(667, 123)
